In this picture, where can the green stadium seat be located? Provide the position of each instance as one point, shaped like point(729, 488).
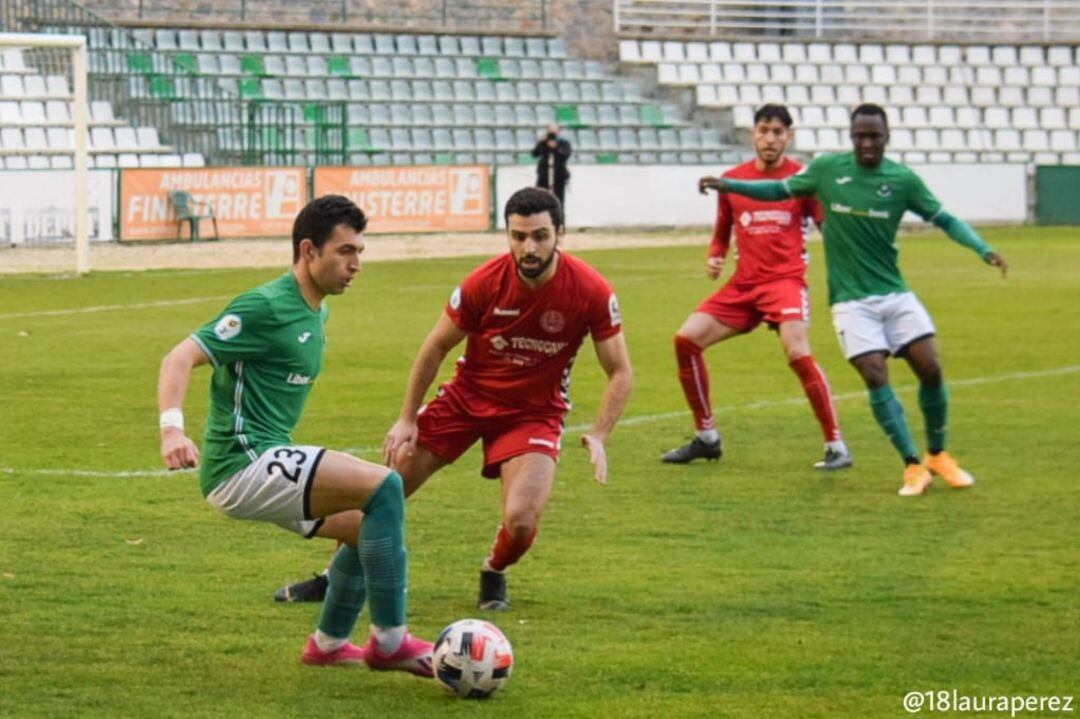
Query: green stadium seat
point(163, 87)
point(652, 115)
point(488, 67)
point(445, 158)
point(186, 62)
point(567, 116)
point(251, 89)
point(140, 62)
point(253, 65)
point(360, 139)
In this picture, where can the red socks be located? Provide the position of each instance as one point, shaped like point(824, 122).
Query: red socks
point(694, 378)
point(817, 391)
point(507, 550)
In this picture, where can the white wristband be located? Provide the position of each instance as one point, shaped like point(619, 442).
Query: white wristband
point(173, 417)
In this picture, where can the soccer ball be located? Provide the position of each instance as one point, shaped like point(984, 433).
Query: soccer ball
point(473, 659)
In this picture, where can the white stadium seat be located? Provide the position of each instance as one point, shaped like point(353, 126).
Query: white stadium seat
point(697, 52)
point(794, 53)
point(1052, 118)
point(1062, 140)
point(1036, 141)
point(720, 51)
point(925, 55)
point(1025, 118)
point(898, 54)
point(845, 54)
point(1004, 56)
point(1059, 56)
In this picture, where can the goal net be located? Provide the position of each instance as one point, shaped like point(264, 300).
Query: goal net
point(44, 177)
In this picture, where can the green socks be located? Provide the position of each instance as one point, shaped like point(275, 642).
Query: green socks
point(378, 571)
point(382, 553)
point(889, 413)
point(934, 403)
point(344, 594)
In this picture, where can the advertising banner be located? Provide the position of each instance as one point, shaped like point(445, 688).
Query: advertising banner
point(413, 199)
point(247, 201)
point(38, 206)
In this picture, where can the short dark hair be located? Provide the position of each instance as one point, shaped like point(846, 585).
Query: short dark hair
point(534, 200)
point(871, 110)
point(773, 111)
point(316, 222)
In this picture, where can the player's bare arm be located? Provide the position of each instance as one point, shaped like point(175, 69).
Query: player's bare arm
point(615, 361)
point(709, 182)
point(714, 267)
point(177, 449)
point(994, 259)
point(442, 338)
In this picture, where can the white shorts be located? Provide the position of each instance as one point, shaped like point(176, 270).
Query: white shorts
point(275, 488)
point(886, 323)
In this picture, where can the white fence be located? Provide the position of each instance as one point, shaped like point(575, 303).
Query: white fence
point(901, 20)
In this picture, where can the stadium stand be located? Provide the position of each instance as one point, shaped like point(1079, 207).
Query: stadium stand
point(276, 97)
point(949, 102)
point(35, 114)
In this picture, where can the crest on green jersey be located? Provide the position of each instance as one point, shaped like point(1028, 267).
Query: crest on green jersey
point(884, 191)
point(227, 327)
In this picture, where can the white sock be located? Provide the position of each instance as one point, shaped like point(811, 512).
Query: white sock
point(327, 643)
point(708, 436)
point(388, 638)
point(486, 566)
point(837, 446)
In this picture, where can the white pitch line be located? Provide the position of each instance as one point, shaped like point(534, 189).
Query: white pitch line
point(100, 473)
point(640, 419)
point(112, 308)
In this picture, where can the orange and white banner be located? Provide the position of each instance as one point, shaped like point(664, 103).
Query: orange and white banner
point(247, 201)
point(413, 199)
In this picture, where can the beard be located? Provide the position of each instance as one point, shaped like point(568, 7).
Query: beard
point(533, 271)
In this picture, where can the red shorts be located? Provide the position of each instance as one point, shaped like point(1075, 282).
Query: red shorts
point(744, 307)
point(447, 428)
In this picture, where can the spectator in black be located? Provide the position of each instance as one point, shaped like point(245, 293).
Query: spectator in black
point(551, 173)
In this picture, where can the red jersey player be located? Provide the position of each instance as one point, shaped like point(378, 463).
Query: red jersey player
point(525, 315)
point(769, 285)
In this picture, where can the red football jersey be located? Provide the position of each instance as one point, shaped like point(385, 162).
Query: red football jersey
point(770, 236)
point(522, 342)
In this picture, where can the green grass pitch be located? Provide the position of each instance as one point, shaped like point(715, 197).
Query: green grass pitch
point(751, 588)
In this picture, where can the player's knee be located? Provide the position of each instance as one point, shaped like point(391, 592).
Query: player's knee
point(522, 524)
point(930, 375)
point(796, 352)
point(874, 375)
point(389, 499)
point(685, 345)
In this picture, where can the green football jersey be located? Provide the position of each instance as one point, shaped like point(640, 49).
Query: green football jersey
point(863, 209)
point(267, 349)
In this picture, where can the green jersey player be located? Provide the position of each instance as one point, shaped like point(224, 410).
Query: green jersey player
point(266, 349)
point(865, 196)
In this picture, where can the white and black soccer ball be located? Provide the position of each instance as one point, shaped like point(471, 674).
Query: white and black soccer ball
point(473, 659)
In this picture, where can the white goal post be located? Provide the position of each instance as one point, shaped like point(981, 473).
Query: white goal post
point(36, 61)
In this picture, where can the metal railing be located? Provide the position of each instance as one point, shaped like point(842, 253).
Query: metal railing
point(488, 15)
point(899, 20)
point(192, 112)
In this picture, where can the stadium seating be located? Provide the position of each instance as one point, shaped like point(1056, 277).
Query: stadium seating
point(36, 117)
point(382, 83)
point(945, 102)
